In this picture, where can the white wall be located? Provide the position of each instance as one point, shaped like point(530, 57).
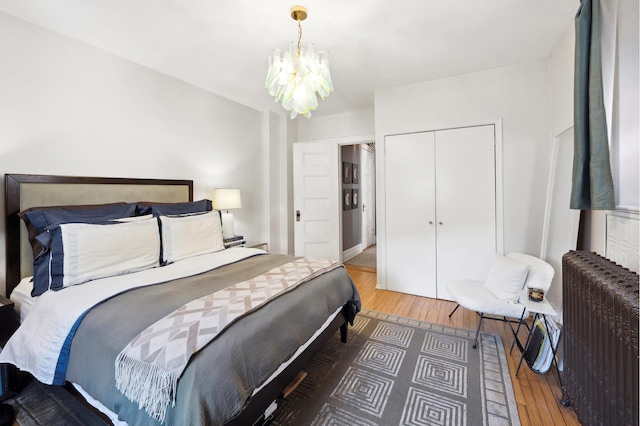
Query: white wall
point(336, 126)
point(291, 135)
point(519, 95)
point(561, 70)
point(276, 184)
point(560, 217)
point(69, 108)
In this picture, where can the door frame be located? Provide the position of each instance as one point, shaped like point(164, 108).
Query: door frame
point(370, 191)
point(381, 216)
point(346, 140)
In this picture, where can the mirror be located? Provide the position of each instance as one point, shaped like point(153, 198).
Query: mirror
point(560, 231)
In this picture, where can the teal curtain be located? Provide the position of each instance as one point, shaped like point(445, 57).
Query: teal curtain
point(592, 185)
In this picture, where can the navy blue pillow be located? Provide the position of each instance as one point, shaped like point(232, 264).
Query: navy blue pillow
point(82, 262)
point(42, 263)
point(44, 217)
point(38, 219)
point(40, 275)
point(170, 209)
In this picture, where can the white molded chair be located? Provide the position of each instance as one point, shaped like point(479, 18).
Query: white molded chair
point(475, 295)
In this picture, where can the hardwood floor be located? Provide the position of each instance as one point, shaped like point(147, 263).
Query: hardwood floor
point(538, 396)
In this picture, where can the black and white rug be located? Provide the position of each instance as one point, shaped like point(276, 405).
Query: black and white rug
point(400, 371)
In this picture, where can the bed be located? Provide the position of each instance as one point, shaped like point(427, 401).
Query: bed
point(231, 378)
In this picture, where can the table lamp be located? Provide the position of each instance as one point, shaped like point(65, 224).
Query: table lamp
point(226, 199)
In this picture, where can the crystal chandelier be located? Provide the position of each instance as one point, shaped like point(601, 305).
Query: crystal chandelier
point(296, 78)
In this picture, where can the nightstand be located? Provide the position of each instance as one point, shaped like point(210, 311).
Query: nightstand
point(258, 245)
point(235, 241)
point(7, 319)
point(8, 325)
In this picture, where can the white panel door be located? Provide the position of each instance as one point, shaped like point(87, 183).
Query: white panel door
point(316, 200)
point(410, 214)
point(466, 204)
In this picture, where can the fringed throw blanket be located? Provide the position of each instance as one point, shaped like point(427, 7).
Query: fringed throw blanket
point(148, 369)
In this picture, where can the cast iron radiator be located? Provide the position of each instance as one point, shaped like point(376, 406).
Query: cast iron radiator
point(600, 301)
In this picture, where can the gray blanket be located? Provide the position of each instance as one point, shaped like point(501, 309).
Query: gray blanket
point(221, 377)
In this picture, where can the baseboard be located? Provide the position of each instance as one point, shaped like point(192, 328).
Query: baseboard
point(352, 252)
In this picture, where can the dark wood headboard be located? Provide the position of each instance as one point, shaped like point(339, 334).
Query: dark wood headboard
point(24, 191)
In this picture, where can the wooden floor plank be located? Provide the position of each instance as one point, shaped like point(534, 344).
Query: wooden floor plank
point(524, 415)
point(537, 396)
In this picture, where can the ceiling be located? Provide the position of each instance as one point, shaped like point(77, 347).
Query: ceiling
point(223, 46)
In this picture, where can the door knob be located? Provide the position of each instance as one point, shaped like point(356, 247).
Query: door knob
point(430, 222)
point(297, 215)
point(440, 223)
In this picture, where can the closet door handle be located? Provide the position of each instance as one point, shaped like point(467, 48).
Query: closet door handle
point(430, 222)
point(440, 223)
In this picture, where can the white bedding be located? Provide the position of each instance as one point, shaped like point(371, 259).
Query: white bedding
point(22, 299)
point(36, 344)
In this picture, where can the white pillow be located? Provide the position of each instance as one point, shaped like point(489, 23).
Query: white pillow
point(82, 252)
point(191, 235)
point(506, 278)
point(133, 218)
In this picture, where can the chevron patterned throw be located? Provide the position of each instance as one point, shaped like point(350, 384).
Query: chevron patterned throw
point(148, 369)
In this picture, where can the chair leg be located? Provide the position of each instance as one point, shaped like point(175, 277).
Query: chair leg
point(475, 342)
point(454, 309)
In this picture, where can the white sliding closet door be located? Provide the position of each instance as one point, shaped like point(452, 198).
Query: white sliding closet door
point(440, 213)
point(410, 214)
point(466, 204)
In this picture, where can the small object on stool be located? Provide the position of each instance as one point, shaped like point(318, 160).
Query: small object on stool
point(6, 414)
point(536, 294)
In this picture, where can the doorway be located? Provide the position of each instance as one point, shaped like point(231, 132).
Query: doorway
point(327, 224)
point(359, 221)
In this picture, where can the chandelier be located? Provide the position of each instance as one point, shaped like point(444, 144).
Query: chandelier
point(296, 78)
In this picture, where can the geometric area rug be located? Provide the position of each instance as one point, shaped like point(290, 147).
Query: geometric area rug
point(401, 371)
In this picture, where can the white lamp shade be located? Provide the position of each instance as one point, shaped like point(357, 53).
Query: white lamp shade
point(226, 198)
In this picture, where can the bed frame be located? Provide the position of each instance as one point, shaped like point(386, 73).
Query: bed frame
point(24, 191)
